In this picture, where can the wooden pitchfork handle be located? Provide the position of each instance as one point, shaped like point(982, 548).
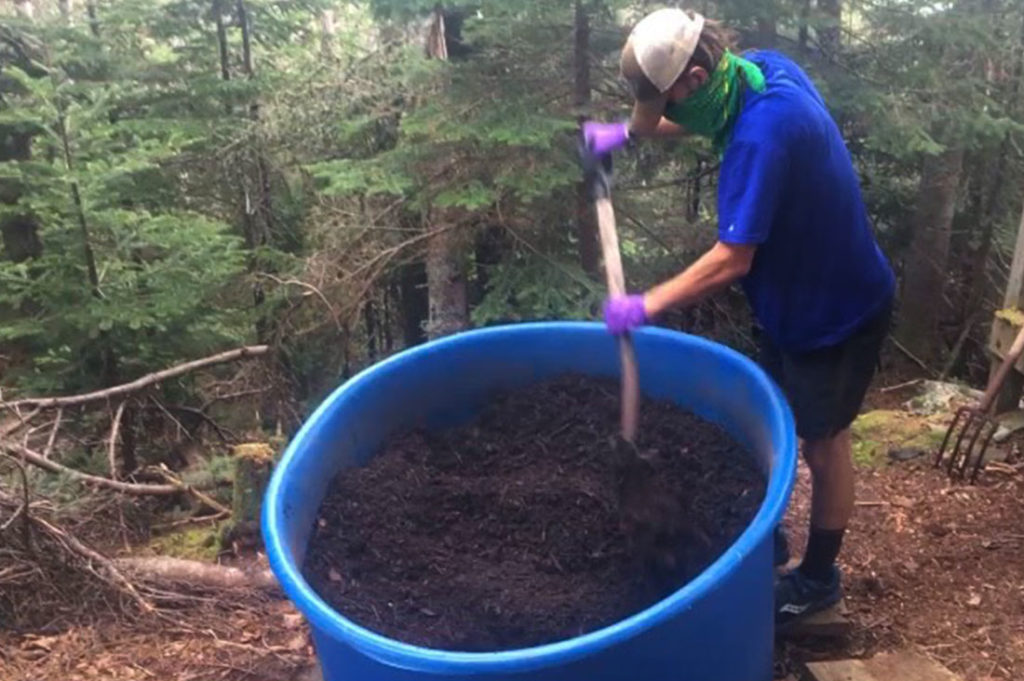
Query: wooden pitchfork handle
point(598, 172)
point(1004, 369)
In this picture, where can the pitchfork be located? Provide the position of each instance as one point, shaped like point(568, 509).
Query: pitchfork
point(975, 425)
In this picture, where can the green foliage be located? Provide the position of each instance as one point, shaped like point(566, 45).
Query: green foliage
point(530, 288)
point(324, 168)
point(104, 179)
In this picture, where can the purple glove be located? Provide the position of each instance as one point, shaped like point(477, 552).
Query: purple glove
point(604, 137)
point(624, 313)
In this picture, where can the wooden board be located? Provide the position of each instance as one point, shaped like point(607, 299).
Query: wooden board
point(831, 623)
point(841, 670)
point(908, 665)
point(1001, 338)
point(899, 665)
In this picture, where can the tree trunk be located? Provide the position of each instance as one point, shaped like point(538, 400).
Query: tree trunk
point(437, 44)
point(487, 254)
point(448, 311)
point(327, 34)
point(805, 16)
point(830, 33)
point(76, 200)
point(94, 22)
point(693, 189)
point(18, 229)
point(67, 11)
point(926, 267)
point(370, 323)
point(414, 302)
point(25, 8)
point(766, 32)
point(222, 42)
point(588, 246)
point(257, 212)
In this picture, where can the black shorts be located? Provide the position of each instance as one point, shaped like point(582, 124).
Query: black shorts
point(826, 387)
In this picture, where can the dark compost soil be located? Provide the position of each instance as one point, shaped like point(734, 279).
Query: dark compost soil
point(509, 531)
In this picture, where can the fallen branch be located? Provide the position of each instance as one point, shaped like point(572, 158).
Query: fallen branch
point(193, 572)
point(112, 447)
point(16, 451)
point(21, 423)
point(189, 521)
point(958, 347)
point(230, 396)
point(139, 383)
point(22, 510)
point(911, 356)
point(312, 290)
point(53, 434)
point(223, 432)
point(188, 489)
point(107, 571)
point(900, 386)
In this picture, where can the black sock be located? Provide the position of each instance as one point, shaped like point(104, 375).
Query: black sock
point(822, 549)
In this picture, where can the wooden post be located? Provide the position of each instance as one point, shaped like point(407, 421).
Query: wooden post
point(1004, 330)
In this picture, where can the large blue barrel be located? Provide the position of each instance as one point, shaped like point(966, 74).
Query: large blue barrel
point(718, 627)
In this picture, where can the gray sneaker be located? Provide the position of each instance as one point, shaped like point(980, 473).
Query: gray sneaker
point(797, 596)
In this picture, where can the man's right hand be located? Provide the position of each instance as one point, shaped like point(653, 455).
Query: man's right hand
point(624, 313)
point(602, 138)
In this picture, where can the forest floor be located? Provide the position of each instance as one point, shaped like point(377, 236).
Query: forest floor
point(927, 562)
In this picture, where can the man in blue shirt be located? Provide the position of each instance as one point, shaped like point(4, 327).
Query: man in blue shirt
point(793, 230)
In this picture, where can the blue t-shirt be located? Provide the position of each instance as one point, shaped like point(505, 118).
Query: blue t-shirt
point(787, 184)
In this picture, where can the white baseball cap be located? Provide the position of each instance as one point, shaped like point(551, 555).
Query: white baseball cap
point(660, 46)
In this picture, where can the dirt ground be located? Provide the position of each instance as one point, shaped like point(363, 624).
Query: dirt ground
point(927, 563)
point(931, 564)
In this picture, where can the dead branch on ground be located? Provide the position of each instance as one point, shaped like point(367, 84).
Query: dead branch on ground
point(15, 451)
point(89, 559)
point(139, 383)
point(112, 447)
point(195, 573)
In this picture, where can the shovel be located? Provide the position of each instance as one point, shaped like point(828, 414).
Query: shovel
point(598, 173)
point(650, 514)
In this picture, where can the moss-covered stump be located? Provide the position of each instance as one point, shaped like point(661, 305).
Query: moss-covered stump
point(252, 464)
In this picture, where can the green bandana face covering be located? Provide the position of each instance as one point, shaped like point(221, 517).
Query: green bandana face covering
point(711, 111)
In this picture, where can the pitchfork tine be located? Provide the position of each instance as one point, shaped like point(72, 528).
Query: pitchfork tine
point(980, 460)
point(949, 433)
point(957, 452)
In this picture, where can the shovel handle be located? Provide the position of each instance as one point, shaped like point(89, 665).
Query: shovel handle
point(617, 287)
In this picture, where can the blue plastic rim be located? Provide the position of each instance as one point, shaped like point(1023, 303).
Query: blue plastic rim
point(445, 382)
